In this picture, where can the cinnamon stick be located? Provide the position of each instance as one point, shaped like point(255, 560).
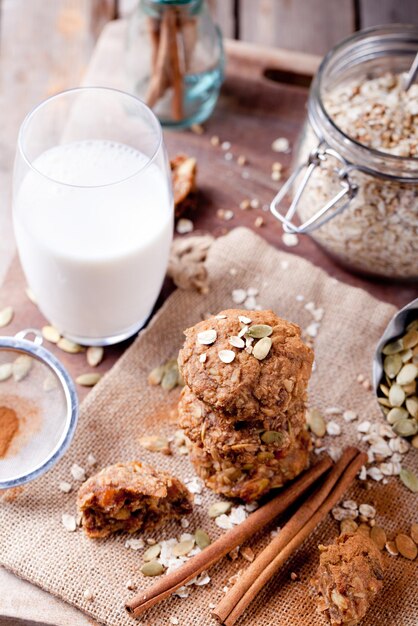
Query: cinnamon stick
point(222, 546)
point(177, 76)
point(158, 81)
point(294, 533)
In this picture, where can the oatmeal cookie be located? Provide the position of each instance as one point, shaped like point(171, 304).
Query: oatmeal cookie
point(129, 497)
point(349, 576)
point(247, 385)
point(217, 434)
point(250, 480)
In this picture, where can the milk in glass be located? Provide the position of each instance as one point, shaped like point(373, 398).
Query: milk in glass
point(93, 222)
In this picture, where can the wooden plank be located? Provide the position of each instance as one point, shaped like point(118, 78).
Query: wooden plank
point(223, 13)
point(313, 26)
point(374, 12)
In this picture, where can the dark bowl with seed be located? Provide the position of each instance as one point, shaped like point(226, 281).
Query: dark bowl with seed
point(395, 372)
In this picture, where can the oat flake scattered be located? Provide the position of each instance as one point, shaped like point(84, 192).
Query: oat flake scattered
point(281, 144)
point(350, 416)
point(77, 472)
point(184, 226)
point(333, 429)
point(239, 296)
point(69, 522)
point(290, 239)
point(134, 544)
point(65, 487)
point(223, 522)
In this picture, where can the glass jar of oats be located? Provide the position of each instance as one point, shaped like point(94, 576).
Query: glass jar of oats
point(354, 186)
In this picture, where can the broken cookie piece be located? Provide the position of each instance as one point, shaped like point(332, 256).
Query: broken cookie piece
point(183, 176)
point(130, 497)
point(348, 578)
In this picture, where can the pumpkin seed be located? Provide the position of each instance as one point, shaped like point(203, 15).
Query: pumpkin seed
point(391, 548)
point(393, 347)
point(202, 538)
point(364, 529)
point(152, 552)
point(51, 334)
point(271, 436)
point(348, 526)
point(207, 337)
point(6, 316)
point(392, 365)
point(156, 375)
point(183, 547)
point(396, 395)
point(226, 356)
point(406, 355)
point(153, 568)
point(378, 535)
point(66, 345)
point(406, 546)
point(407, 374)
point(89, 379)
point(414, 442)
point(170, 377)
point(396, 414)
point(384, 402)
point(21, 367)
point(406, 427)
point(155, 443)
point(384, 389)
point(316, 422)
point(413, 325)
point(414, 532)
point(258, 331)
point(30, 295)
point(244, 320)
point(237, 342)
point(412, 406)
point(5, 371)
point(94, 355)
point(218, 508)
point(410, 340)
point(410, 389)
point(262, 348)
point(409, 479)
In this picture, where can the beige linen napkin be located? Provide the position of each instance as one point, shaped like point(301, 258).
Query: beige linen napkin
point(33, 541)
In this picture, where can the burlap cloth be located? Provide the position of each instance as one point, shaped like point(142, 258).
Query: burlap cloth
point(33, 542)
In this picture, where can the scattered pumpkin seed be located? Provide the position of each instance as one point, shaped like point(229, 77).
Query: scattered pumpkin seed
point(384, 402)
point(156, 375)
point(414, 532)
point(409, 479)
point(258, 331)
point(396, 395)
point(152, 552)
point(30, 295)
point(155, 443)
point(51, 334)
point(391, 548)
point(414, 442)
point(94, 355)
point(6, 370)
point(21, 367)
point(348, 526)
point(392, 365)
point(237, 342)
point(406, 427)
point(406, 546)
point(226, 356)
point(170, 378)
point(207, 337)
point(262, 348)
point(183, 547)
point(410, 340)
point(316, 422)
point(271, 436)
point(153, 568)
point(364, 529)
point(244, 320)
point(393, 347)
point(66, 345)
point(410, 389)
point(384, 389)
point(89, 379)
point(407, 374)
point(412, 406)
point(406, 355)
point(202, 538)
point(396, 414)
point(378, 535)
point(413, 325)
point(218, 508)
point(6, 316)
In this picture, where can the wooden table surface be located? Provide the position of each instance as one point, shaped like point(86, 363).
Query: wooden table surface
point(251, 113)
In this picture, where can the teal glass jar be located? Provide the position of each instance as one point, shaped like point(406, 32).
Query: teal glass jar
point(175, 60)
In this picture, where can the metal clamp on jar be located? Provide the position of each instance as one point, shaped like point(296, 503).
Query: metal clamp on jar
point(355, 182)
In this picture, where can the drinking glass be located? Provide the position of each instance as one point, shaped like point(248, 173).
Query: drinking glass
point(93, 212)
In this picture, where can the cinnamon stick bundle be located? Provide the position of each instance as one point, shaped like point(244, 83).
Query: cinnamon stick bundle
point(173, 38)
point(222, 546)
point(292, 535)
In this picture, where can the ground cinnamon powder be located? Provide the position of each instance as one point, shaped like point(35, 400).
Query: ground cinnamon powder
point(9, 425)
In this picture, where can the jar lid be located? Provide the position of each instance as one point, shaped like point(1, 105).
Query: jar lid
point(38, 409)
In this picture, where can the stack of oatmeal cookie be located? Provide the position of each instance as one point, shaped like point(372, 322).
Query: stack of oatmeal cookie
point(243, 407)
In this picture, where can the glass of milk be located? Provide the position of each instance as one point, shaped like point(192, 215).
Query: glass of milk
point(93, 212)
